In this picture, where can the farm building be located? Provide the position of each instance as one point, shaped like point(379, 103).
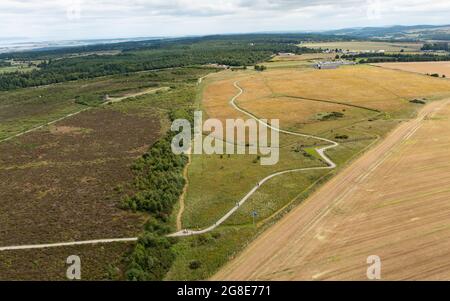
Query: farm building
point(332, 64)
point(286, 54)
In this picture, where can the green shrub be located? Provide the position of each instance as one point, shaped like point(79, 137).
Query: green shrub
point(195, 265)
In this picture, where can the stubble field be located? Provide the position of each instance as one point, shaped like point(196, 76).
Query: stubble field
point(396, 208)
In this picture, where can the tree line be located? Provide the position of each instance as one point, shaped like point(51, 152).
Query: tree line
point(369, 58)
point(158, 55)
point(158, 184)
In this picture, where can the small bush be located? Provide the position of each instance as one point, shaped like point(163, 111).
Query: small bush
point(418, 101)
point(341, 137)
point(195, 265)
point(331, 116)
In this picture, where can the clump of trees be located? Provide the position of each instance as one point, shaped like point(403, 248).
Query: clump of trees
point(260, 68)
point(151, 258)
point(158, 184)
point(341, 137)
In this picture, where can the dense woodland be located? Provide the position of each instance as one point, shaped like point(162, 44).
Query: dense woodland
point(140, 56)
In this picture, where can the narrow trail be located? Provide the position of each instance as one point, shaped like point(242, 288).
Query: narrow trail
point(67, 244)
point(183, 195)
point(321, 151)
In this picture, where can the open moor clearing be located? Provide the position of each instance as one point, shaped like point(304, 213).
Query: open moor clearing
point(58, 183)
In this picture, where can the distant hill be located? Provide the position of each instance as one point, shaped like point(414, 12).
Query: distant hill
point(413, 33)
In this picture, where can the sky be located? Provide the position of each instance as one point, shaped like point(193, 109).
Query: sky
point(84, 19)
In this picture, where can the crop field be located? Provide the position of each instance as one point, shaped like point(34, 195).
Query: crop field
point(440, 68)
point(305, 101)
point(402, 217)
point(366, 45)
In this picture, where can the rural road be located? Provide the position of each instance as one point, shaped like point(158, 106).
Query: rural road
point(320, 151)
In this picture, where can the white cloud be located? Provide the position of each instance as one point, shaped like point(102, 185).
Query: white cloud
point(121, 18)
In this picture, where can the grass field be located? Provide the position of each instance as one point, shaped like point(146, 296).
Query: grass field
point(372, 100)
point(366, 45)
point(441, 68)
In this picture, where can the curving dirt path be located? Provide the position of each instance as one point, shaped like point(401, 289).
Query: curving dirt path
point(320, 151)
point(183, 195)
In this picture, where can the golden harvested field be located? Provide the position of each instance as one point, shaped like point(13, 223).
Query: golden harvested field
point(297, 97)
point(392, 202)
point(361, 46)
point(441, 68)
point(371, 87)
